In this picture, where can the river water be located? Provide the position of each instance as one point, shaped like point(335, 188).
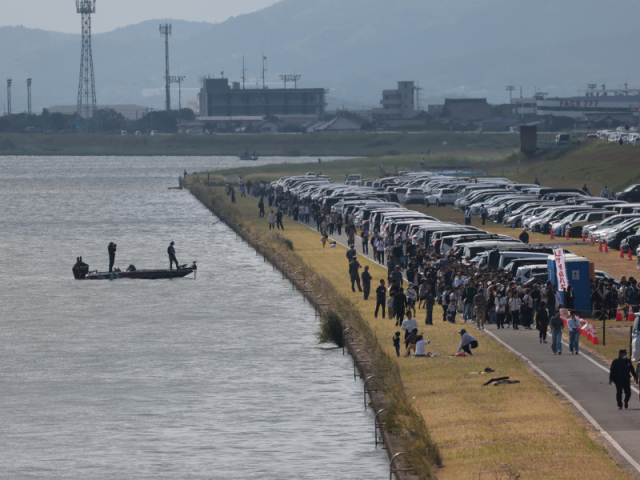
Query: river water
point(217, 377)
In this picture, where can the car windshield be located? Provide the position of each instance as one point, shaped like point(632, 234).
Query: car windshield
point(629, 188)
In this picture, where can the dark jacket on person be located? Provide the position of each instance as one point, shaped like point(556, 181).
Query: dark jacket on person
point(569, 298)
point(351, 253)
point(621, 370)
point(366, 278)
point(399, 302)
point(112, 250)
point(397, 276)
point(353, 267)
point(524, 237)
point(542, 320)
point(551, 301)
point(381, 293)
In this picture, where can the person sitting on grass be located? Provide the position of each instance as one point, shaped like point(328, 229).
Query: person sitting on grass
point(421, 343)
point(467, 342)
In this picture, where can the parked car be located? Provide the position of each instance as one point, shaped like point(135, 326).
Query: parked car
point(414, 195)
point(629, 194)
point(441, 197)
point(614, 238)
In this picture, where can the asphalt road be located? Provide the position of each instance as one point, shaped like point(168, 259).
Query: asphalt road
point(582, 379)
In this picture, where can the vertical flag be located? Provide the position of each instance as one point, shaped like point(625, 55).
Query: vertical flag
point(561, 269)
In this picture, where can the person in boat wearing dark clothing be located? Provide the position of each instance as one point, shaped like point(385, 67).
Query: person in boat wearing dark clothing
point(80, 269)
point(620, 372)
point(366, 282)
point(112, 255)
point(172, 256)
point(381, 293)
point(524, 236)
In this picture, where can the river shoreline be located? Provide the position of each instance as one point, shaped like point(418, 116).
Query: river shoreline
point(354, 343)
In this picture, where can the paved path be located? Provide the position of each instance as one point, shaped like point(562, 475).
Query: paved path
point(582, 379)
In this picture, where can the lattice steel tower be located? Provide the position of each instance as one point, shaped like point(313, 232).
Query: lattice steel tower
point(87, 83)
point(9, 81)
point(165, 30)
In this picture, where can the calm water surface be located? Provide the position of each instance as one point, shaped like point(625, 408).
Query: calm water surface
point(217, 377)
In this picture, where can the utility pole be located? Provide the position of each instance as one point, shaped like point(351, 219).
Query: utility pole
point(264, 69)
point(165, 30)
point(244, 71)
point(178, 80)
point(9, 81)
point(418, 89)
point(510, 89)
point(28, 96)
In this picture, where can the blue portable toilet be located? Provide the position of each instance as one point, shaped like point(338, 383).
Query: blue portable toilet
point(578, 275)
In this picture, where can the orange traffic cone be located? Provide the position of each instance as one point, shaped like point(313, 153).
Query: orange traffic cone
point(622, 253)
point(551, 234)
point(631, 317)
point(619, 315)
point(584, 239)
point(592, 240)
point(600, 246)
point(567, 235)
point(630, 255)
point(606, 247)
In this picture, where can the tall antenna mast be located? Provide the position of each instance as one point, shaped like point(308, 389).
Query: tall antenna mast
point(165, 30)
point(417, 89)
point(28, 96)
point(510, 89)
point(86, 85)
point(264, 69)
point(244, 71)
point(178, 79)
point(9, 81)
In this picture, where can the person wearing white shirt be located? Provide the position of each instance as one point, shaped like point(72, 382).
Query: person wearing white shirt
point(574, 325)
point(272, 220)
point(467, 342)
point(459, 280)
point(421, 343)
point(559, 299)
point(409, 324)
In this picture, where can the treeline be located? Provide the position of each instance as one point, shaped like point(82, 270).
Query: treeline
point(105, 121)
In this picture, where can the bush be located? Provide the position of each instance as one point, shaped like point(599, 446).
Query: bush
point(331, 328)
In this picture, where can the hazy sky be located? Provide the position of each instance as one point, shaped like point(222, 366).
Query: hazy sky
point(61, 16)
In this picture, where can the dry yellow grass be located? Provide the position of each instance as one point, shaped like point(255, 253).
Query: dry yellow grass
point(483, 432)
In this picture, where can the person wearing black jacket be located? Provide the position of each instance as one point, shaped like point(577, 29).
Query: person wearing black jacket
point(524, 236)
point(279, 220)
point(112, 255)
point(619, 373)
point(551, 298)
point(399, 306)
point(430, 301)
point(569, 298)
point(366, 282)
point(381, 294)
point(354, 274)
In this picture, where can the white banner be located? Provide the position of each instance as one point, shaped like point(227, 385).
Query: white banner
point(561, 269)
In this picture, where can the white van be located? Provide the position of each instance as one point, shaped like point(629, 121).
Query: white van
point(525, 272)
point(507, 257)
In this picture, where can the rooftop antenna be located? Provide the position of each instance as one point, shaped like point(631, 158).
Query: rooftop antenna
point(9, 81)
point(178, 79)
point(264, 69)
point(28, 96)
point(290, 78)
point(165, 30)
point(86, 85)
point(418, 89)
point(510, 89)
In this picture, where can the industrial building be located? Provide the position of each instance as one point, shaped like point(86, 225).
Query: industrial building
point(397, 103)
point(219, 99)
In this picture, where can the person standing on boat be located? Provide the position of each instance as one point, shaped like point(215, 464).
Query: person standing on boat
point(112, 255)
point(172, 256)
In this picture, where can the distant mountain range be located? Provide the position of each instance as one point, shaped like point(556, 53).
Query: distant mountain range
point(354, 48)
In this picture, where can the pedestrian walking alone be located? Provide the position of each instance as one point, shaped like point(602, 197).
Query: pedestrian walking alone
point(366, 282)
point(279, 220)
point(620, 373)
point(557, 325)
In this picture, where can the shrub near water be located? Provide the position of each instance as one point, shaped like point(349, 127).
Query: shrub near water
point(331, 328)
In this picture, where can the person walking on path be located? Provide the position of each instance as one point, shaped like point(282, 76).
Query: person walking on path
point(261, 207)
point(542, 322)
point(574, 325)
point(569, 297)
point(467, 342)
point(364, 235)
point(279, 220)
point(411, 298)
point(483, 214)
point(397, 276)
point(351, 254)
point(172, 256)
point(501, 310)
point(557, 325)
point(480, 304)
point(429, 302)
point(354, 274)
point(381, 293)
point(271, 218)
point(620, 372)
point(366, 282)
point(470, 292)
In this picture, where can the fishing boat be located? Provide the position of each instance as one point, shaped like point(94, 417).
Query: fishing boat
point(246, 156)
point(81, 272)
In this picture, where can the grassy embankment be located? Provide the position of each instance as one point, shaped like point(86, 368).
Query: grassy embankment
point(514, 431)
point(352, 144)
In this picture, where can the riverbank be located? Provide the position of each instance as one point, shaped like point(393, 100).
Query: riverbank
point(290, 145)
point(511, 431)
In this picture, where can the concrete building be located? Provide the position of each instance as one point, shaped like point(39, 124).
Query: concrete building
point(396, 103)
point(605, 103)
point(130, 112)
point(466, 110)
point(218, 98)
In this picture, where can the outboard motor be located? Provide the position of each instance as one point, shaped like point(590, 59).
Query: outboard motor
point(131, 268)
point(80, 269)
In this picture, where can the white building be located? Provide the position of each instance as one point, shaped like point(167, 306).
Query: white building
point(397, 103)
